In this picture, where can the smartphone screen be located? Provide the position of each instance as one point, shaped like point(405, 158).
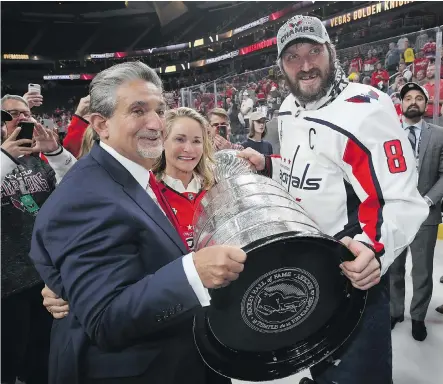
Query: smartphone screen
point(27, 131)
point(35, 88)
point(222, 130)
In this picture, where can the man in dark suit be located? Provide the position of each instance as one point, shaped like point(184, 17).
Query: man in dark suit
point(102, 243)
point(427, 142)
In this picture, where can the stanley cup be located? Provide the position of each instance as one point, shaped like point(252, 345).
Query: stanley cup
point(244, 207)
point(291, 307)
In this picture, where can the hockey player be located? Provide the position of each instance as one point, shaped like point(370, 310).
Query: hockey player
point(346, 160)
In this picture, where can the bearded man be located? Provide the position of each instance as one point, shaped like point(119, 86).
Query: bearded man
point(427, 144)
point(346, 160)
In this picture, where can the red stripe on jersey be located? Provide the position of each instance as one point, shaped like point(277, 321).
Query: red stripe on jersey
point(370, 210)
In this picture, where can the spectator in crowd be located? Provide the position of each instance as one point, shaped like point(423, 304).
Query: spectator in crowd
point(427, 144)
point(356, 64)
point(366, 80)
point(421, 40)
point(274, 101)
point(421, 77)
point(229, 106)
point(430, 88)
point(380, 78)
point(404, 71)
point(246, 109)
point(257, 132)
point(219, 121)
point(345, 65)
point(392, 58)
point(27, 182)
point(369, 64)
point(77, 127)
point(408, 53)
point(134, 324)
point(272, 135)
point(398, 84)
point(402, 44)
point(354, 77)
point(420, 64)
point(261, 104)
point(430, 48)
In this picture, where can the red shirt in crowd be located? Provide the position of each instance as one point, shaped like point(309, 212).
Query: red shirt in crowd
point(429, 49)
point(369, 65)
point(378, 76)
point(420, 64)
point(356, 64)
point(74, 137)
point(431, 91)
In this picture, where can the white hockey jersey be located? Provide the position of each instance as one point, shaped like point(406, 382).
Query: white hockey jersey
point(351, 167)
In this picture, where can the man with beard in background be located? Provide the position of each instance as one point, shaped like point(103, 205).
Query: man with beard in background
point(427, 144)
point(346, 139)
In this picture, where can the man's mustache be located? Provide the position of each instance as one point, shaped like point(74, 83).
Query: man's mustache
point(149, 134)
point(312, 72)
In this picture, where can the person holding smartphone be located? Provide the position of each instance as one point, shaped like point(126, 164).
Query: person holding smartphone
point(27, 181)
point(220, 130)
point(257, 132)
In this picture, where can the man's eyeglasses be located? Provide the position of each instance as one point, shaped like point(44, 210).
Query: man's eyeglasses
point(216, 125)
point(16, 113)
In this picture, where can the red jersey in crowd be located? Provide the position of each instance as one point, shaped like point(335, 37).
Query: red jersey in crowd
point(420, 64)
point(356, 64)
point(431, 91)
point(369, 65)
point(429, 49)
point(377, 76)
point(74, 137)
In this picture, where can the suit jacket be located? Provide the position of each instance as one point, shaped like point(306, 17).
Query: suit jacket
point(430, 171)
point(102, 244)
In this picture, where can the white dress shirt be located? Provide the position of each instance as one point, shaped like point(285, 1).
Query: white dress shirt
point(417, 131)
point(141, 175)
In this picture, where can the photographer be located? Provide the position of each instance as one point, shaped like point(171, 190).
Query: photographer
point(27, 181)
point(220, 130)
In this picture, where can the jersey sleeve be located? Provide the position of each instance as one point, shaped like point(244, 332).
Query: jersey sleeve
point(379, 163)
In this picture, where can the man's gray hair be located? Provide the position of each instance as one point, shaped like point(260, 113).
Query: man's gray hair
point(14, 97)
point(104, 86)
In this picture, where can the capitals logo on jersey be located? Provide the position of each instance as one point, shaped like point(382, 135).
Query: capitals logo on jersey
point(364, 98)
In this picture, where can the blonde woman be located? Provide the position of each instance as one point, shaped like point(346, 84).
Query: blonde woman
point(184, 172)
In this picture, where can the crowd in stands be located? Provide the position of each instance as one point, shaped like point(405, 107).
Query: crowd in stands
point(384, 65)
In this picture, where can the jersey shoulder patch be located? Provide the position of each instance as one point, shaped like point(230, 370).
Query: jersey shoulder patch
point(364, 97)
